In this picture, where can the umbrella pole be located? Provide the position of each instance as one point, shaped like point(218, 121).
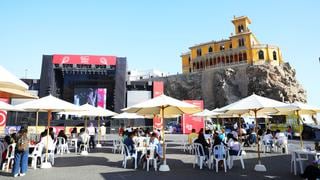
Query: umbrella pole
point(37, 121)
point(259, 166)
point(240, 132)
point(46, 164)
point(300, 129)
point(164, 166)
point(255, 118)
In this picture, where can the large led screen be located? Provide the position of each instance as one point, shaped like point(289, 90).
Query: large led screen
point(135, 97)
point(94, 96)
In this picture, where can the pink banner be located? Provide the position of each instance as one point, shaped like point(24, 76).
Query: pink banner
point(190, 122)
point(83, 59)
point(102, 97)
point(157, 91)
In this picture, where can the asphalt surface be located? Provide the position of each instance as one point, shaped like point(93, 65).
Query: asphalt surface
point(102, 164)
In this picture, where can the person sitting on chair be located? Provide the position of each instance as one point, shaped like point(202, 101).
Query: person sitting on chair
point(234, 145)
point(83, 137)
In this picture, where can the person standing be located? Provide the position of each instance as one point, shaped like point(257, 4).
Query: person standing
point(103, 132)
point(92, 133)
point(20, 165)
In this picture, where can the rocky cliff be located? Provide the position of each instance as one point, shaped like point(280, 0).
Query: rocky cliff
point(222, 86)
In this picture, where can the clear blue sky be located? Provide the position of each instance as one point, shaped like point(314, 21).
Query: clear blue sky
point(153, 34)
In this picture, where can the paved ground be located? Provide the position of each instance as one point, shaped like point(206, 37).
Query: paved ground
point(103, 164)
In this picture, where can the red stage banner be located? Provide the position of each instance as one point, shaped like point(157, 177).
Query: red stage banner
point(83, 59)
point(157, 91)
point(157, 88)
point(190, 122)
point(3, 114)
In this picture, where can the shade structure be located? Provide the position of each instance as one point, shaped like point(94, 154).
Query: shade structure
point(8, 107)
point(299, 108)
point(205, 114)
point(164, 106)
point(257, 105)
point(125, 115)
point(92, 111)
point(9, 80)
point(12, 87)
point(48, 104)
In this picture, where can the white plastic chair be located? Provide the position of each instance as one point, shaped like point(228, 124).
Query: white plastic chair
point(298, 158)
point(267, 147)
point(152, 158)
point(85, 148)
point(62, 145)
point(219, 154)
point(36, 153)
point(51, 149)
point(9, 157)
point(199, 155)
point(127, 156)
point(116, 145)
point(231, 158)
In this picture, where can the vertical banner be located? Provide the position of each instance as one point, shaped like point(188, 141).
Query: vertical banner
point(158, 89)
point(102, 97)
point(190, 122)
point(3, 114)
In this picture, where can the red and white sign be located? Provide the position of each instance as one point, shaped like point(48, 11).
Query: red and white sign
point(3, 114)
point(84, 59)
point(190, 122)
point(157, 91)
point(158, 88)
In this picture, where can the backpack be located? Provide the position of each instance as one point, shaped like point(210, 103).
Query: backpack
point(23, 143)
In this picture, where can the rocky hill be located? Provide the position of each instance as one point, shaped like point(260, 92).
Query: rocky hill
point(222, 86)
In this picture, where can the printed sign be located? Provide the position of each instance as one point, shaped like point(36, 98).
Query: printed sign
point(84, 59)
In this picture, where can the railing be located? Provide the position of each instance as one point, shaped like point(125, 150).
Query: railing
point(220, 65)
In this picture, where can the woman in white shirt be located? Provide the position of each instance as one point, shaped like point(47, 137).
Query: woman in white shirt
point(234, 145)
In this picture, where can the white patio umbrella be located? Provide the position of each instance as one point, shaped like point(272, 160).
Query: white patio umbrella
point(257, 105)
point(92, 111)
point(12, 87)
point(299, 108)
point(8, 107)
point(164, 106)
point(48, 104)
point(126, 115)
point(205, 114)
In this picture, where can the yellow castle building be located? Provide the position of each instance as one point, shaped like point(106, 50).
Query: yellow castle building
point(241, 47)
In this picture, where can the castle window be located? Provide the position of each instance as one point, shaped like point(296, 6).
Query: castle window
point(240, 57)
point(222, 48)
point(241, 42)
point(274, 55)
point(210, 61)
point(261, 54)
point(244, 56)
point(235, 58)
point(218, 60)
point(189, 70)
point(214, 61)
point(231, 58)
point(222, 60)
point(198, 52)
point(189, 60)
point(210, 49)
point(227, 59)
point(230, 46)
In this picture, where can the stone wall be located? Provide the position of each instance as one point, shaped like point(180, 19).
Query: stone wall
point(224, 85)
